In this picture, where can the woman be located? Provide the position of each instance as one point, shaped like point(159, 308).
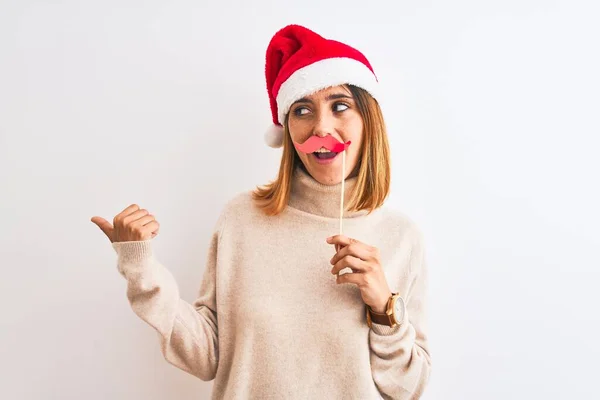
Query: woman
point(275, 317)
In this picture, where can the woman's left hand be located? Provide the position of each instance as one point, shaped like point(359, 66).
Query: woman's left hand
point(367, 274)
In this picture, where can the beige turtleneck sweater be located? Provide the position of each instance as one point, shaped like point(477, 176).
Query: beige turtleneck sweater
point(270, 322)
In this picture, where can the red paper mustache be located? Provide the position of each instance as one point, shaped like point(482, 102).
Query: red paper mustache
point(314, 143)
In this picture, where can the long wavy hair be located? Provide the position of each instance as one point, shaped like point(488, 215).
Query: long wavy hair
point(373, 175)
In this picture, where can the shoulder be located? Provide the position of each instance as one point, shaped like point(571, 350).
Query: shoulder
point(237, 208)
point(237, 202)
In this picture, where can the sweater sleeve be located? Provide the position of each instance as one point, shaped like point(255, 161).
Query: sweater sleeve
point(187, 332)
point(400, 359)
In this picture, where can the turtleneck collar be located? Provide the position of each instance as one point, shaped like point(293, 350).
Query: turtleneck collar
point(309, 195)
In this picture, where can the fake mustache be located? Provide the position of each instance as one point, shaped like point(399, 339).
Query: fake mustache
point(314, 143)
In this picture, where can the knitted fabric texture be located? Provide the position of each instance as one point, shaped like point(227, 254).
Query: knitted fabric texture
point(269, 320)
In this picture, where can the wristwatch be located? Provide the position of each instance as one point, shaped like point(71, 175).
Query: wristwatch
point(393, 315)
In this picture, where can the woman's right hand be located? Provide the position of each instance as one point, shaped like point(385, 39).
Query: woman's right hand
point(131, 224)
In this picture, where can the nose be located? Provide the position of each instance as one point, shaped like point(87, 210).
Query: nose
point(324, 125)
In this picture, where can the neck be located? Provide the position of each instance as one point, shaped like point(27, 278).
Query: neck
point(309, 195)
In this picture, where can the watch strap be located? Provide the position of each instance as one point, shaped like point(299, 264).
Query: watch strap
point(382, 318)
point(379, 318)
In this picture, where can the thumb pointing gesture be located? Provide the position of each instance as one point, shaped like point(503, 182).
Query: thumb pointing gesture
point(105, 226)
point(131, 224)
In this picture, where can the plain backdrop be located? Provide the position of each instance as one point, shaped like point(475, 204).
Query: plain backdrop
point(492, 111)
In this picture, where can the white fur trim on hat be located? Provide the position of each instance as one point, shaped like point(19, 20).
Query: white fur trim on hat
point(274, 136)
point(323, 74)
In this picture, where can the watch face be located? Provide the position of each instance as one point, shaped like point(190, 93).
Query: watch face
point(399, 310)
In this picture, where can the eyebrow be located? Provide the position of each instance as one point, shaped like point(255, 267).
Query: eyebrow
point(333, 96)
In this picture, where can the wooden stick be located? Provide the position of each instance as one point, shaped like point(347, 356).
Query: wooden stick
point(342, 196)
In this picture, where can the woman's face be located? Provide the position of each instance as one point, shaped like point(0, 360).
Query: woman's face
point(331, 111)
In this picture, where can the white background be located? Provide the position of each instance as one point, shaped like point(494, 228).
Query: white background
point(492, 110)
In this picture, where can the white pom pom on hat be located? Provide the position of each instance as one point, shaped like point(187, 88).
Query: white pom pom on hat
point(300, 62)
point(274, 136)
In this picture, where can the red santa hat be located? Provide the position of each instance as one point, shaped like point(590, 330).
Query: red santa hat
point(300, 62)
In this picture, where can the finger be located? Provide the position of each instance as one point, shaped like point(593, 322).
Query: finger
point(355, 278)
point(152, 226)
point(148, 231)
point(143, 220)
point(128, 210)
point(356, 249)
point(356, 264)
point(131, 209)
point(340, 239)
point(135, 216)
point(104, 225)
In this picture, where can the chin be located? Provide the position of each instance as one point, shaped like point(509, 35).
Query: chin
point(327, 174)
point(330, 177)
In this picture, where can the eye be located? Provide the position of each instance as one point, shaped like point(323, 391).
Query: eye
point(340, 107)
point(300, 111)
